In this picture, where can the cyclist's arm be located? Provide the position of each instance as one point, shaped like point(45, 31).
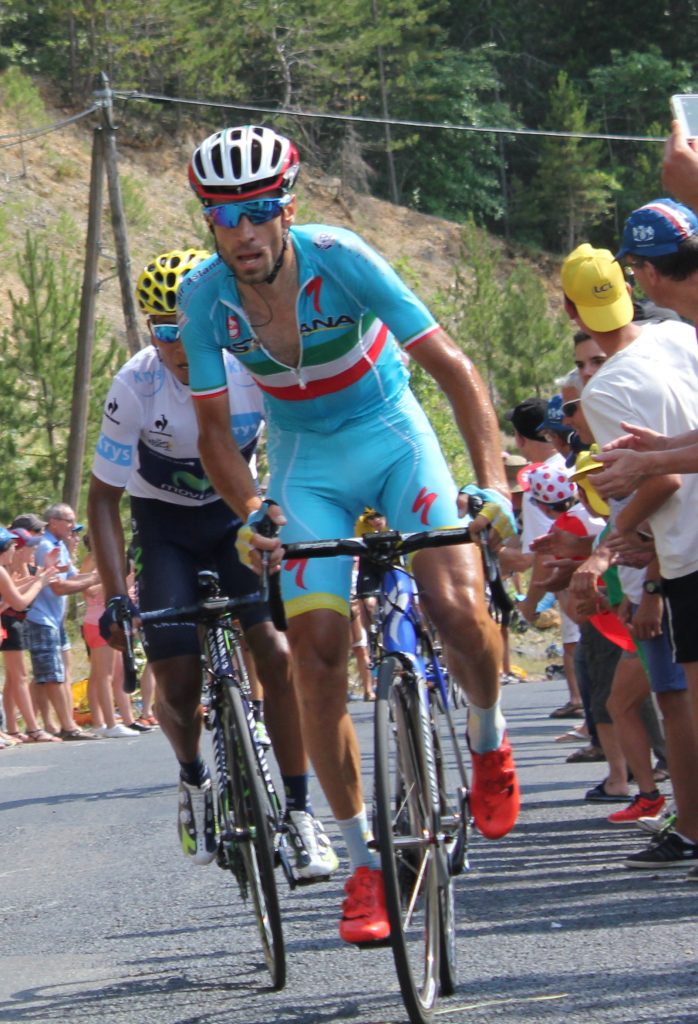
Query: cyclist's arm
point(225, 466)
point(107, 535)
point(460, 381)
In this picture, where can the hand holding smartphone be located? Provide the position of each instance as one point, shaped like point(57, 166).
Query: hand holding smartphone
point(685, 110)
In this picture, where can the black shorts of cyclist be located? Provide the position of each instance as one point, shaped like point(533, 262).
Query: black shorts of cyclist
point(171, 544)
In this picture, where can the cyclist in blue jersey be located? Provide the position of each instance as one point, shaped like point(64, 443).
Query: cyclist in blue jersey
point(324, 325)
point(148, 447)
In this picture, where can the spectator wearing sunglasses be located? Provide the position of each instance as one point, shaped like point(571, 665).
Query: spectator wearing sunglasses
point(649, 378)
point(45, 618)
point(148, 446)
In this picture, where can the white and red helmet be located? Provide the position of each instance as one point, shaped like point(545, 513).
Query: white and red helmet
point(241, 163)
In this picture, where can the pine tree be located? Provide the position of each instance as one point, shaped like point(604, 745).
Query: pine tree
point(37, 358)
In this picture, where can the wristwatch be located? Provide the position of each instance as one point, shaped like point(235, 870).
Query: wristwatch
point(652, 587)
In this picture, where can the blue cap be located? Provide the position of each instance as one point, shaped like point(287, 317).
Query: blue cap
point(553, 417)
point(6, 538)
point(657, 229)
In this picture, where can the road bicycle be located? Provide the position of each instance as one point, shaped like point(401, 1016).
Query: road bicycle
point(252, 838)
point(421, 816)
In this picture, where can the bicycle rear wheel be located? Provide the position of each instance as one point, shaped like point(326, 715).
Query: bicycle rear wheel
point(406, 823)
point(252, 833)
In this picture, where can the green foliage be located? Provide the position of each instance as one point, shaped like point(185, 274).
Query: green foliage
point(63, 167)
point(570, 194)
point(453, 174)
point(37, 360)
point(134, 202)
point(22, 100)
point(501, 317)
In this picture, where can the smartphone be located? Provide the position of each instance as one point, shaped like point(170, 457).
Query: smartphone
point(685, 109)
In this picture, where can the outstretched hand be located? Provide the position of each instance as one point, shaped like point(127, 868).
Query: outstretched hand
point(623, 472)
point(639, 439)
point(680, 166)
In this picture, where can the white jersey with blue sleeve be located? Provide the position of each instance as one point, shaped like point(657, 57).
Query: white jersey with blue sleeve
point(148, 442)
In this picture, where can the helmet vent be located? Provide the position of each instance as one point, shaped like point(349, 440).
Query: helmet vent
point(217, 161)
point(255, 156)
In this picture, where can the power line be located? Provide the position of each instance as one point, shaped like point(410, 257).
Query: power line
point(35, 133)
point(284, 111)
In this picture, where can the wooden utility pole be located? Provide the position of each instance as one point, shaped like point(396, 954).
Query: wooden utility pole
point(86, 327)
point(103, 154)
point(390, 161)
point(118, 222)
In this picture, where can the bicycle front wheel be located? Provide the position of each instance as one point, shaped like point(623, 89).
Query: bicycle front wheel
point(252, 834)
point(406, 823)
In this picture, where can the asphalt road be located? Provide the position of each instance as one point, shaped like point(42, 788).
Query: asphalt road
point(102, 919)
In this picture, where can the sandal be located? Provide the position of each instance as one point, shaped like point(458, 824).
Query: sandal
point(7, 740)
point(600, 795)
point(19, 737)
point(568, 710)
point(41, 736)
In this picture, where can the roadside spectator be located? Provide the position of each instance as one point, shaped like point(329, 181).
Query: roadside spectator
point(533, 429)
point(650, 377)
point(100, 695)
point(15, 562)
point(45, 619)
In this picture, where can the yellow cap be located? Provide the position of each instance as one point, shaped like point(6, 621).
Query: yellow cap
point(586, 463)
point(595, 283)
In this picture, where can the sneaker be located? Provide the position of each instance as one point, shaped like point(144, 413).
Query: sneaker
point(313, 853)
point(659, 822)
point(664, 851)
point(639, 807)
point(116, 731)
point(364, 914)
point(196, 822)
point(261, 734)
point(494, 794)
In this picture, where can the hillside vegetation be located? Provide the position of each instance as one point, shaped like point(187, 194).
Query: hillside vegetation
point(462, 272)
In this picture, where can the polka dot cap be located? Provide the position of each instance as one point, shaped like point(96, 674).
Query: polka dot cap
point(550, 485)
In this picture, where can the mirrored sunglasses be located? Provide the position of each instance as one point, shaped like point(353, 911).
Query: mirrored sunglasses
point(570, 408)
point(258, 211)
point(165, 332)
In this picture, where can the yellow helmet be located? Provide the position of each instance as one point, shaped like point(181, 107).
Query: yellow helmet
point(156, 288)
point(363, 524)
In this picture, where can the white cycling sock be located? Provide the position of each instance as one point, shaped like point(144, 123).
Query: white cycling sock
point(486, 727)
point(356, 834)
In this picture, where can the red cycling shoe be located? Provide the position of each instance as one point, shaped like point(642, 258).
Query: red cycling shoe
point(364, 916)
point(494, 794)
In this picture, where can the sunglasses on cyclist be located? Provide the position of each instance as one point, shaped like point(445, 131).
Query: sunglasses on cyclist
point(258, 211)
point(165, 332)
point(570, 408)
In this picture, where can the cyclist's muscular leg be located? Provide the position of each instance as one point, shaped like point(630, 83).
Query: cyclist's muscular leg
point(320, 650)
point(453, 593)
point(178, 703)
point(452, 588)
point(273, 663)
